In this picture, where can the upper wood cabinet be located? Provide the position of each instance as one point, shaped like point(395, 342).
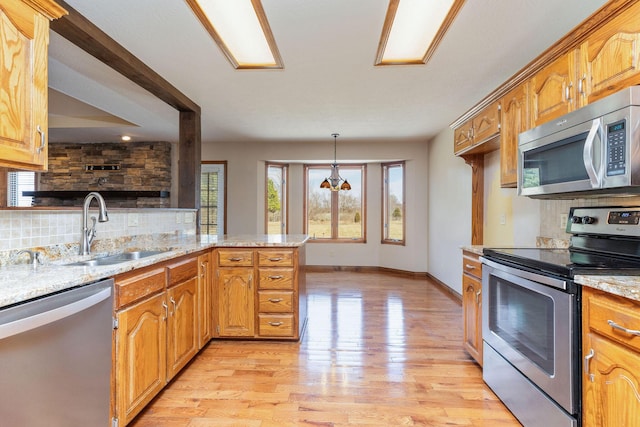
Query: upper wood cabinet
point(552, 90)
point(610, 58)
point(515, 119)
point(479, 134)
point(24, 42)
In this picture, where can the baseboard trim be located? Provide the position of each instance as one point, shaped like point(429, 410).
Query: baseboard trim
point(450, 292)
point(373, 269)
point(364, 269)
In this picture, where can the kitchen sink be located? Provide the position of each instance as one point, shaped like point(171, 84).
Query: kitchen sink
point(116, 259)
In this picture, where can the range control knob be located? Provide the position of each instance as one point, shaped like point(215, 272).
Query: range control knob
point(589, 220)
point(576, 219)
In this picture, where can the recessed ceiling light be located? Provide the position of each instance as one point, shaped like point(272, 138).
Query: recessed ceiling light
point(241, 29)
point(126, 138)
point(413, 29)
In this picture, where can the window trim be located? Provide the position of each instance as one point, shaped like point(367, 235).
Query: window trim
point(385, 201)
point(285, 177)
point(334, 203)
point(224, 196)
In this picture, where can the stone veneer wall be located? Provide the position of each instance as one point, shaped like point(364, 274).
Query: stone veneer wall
point(144, 166)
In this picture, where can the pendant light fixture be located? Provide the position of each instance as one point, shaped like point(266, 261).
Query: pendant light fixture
point(333, 181)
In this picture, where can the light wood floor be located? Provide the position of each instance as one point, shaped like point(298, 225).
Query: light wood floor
point(379, 350)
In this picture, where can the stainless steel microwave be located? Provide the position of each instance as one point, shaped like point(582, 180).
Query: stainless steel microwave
point(592, 151)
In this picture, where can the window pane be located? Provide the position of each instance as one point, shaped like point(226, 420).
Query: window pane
point(318, 205)
point(276, 199)
point(212, 199)
point(395, 203)
point(17, 183)
point(350, 206)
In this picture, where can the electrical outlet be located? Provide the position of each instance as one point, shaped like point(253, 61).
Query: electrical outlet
point(188, 217)
point(503, 219)
point(563, 220)
point(178, 217)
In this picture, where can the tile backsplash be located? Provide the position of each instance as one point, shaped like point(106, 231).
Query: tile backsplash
point(23, 229)
point(551, 211)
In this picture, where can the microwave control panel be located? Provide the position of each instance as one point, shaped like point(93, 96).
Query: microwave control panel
point(616, 148)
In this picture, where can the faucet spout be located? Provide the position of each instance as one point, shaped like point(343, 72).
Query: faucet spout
point(88, 233)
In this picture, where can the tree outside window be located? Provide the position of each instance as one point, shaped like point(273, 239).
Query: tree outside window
point(393, 215)
point(276, 199)
point(335, 215)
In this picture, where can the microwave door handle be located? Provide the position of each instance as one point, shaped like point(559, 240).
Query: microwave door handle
point(587, 154)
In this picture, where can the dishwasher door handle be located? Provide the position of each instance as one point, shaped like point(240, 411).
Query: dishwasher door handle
point(28, 323)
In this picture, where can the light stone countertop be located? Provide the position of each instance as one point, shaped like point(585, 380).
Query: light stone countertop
point(624, 286)
point(21, 282)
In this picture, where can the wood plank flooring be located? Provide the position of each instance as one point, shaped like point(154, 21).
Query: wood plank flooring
point(379, 350)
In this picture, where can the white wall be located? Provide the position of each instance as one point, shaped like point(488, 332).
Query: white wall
point(449, 213)
point(246, 187)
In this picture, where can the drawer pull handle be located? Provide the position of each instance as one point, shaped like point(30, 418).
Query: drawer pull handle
point(275, 259)
point(275, 277)
point(275, 300)
point(614, 325)
point(470, 267)
point(276, 323)
point(235, 259)
point(478, 296)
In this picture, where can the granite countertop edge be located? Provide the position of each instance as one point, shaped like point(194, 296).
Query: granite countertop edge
point(624, 286)
point(21, 282)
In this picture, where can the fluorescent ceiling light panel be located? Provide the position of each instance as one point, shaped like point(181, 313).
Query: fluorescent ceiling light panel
point(413, 28)
point(241, 30)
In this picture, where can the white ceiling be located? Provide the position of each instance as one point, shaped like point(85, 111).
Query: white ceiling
point(328, 83)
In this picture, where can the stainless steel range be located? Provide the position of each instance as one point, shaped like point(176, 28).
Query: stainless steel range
point(531, 313)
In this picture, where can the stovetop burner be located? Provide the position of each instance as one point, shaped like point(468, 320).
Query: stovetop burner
point(604, 240)
point(564, 262)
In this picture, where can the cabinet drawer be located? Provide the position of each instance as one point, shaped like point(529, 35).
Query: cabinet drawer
point(132, 287)
point(275, 278)
point(472, 266)
point(275, 302)
point(272, 325)
point(235, 258)
point(608, 314)
point(182, 271)
point(276, 258)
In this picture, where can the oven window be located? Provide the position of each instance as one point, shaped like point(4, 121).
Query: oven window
point(524, 319)
point(555, 163)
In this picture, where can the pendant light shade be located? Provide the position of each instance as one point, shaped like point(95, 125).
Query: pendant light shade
point(333, 182)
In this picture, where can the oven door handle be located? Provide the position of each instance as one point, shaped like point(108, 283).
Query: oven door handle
point(546, 280)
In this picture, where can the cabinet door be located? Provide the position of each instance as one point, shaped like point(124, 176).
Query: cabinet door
point(487, 123)
point(472, 312)
point(515, 119)
point(462, 137)
point(611, 385)
point(552, 89)
point(182, 328)
point(610, 58)
point(236, 302)
point(205, 308)
point(141, 345)
point(24, 40)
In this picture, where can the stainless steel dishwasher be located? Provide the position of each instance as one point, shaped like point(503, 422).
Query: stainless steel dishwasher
point(55, 359)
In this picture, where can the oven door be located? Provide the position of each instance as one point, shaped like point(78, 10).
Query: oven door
point(532, 325)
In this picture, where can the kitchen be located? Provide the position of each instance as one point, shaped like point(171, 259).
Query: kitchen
point(442, 245)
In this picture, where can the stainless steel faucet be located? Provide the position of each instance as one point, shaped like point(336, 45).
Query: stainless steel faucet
point(88, 234)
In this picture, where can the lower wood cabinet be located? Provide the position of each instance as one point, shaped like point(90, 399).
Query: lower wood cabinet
point(611, 351)
point(158, 324)
point(472, 304)
point(260, 293)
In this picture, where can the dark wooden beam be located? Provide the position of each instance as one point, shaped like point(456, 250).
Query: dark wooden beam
point(84, 34)
point(189, 162)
